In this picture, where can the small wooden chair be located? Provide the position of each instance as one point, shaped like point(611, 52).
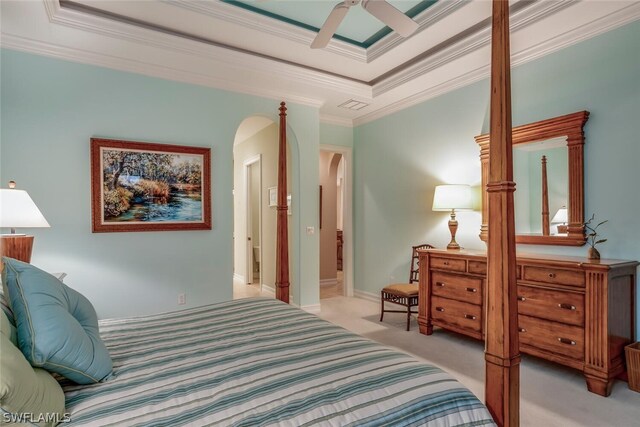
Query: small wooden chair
point(405, 294)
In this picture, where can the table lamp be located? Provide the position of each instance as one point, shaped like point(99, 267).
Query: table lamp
point(561, 217)
point(17, 210)
point(450, 198)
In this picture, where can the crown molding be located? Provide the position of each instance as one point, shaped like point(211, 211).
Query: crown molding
point(466, 45)
point(12, 42)
point(336, 120)
point(601, 25)
point(268, 25)
point(428, 17)
point(51, 7)
point(214, 66)
point(224, 55)
point(606, 23)
point(434, 91)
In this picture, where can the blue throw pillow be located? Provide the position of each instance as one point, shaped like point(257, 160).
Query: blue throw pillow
point(57, 326)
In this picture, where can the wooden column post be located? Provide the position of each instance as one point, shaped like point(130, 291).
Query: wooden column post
point(501, 348)
point(282, 232)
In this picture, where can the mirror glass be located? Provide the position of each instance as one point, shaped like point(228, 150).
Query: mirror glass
point(527, 173)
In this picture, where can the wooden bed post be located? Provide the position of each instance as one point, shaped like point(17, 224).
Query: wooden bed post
point(282, 232)
point(502, 355)
point(545, 199)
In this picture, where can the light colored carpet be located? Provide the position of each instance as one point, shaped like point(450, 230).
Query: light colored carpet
point(551, 395)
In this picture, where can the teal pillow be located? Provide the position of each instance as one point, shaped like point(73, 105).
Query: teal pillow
point(57, 326)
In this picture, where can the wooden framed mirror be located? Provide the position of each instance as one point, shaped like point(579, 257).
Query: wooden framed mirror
point(549, 185)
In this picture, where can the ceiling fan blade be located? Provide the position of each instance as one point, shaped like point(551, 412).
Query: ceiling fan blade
point(330, 26)
point(390, 16)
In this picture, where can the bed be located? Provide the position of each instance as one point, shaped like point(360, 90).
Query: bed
point(258, 361)
point(261, 362)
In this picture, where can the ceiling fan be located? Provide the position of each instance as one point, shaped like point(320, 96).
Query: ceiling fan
point(385, 12)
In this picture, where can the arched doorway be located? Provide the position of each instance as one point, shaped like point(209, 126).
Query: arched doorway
point(255, 158)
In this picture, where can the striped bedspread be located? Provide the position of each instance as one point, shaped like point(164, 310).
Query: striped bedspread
point(256, 362)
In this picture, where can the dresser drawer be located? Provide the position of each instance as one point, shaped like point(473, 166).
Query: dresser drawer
point(550, 275)
point(462, 288)
point(460, 314)
point(449, 264)
point(551, 336)
point(477, 267)
point(565, 307)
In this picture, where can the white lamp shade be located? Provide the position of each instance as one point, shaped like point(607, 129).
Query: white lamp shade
point(560, 217)
point(17, 210)
point(453, 196)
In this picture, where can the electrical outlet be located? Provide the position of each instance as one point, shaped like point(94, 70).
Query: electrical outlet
point(311, 230)
point(182, 299)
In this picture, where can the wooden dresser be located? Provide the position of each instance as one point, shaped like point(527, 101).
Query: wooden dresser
point(571, 310)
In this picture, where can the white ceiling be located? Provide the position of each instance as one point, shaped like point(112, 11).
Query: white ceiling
point(220, 45)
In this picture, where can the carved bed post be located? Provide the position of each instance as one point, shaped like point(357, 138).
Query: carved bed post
point(501, 349)
point(282, 232)
point(545, 199)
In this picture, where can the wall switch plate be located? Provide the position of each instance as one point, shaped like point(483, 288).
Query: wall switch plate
point(311, 230)
point(182, 299)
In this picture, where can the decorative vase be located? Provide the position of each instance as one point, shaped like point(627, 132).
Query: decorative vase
point(593, 253)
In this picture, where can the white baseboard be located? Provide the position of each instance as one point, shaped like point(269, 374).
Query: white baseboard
point(366, 295)
point(268, 289)
point(313, 308)
point(328, 282)
point(239, 277)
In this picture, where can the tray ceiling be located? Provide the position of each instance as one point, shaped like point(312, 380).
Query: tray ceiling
point(257, 48)
point(358, 28)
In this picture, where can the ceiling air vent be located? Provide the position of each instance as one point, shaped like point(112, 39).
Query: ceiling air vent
point(352, 104)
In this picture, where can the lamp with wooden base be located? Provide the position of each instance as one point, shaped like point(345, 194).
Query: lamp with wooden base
point(17, 210)
point(450, 198)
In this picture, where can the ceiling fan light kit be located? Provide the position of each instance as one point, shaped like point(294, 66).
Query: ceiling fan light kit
point(385, 12)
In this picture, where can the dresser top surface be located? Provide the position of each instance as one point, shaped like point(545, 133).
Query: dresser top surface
point(533, 256)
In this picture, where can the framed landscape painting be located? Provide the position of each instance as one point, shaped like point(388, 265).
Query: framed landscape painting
point(140, 186)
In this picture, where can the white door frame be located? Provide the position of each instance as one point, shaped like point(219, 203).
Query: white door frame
point(248, 215)
point(347, 212)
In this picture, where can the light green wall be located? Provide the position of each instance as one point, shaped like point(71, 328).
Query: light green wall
point(336, 135)
point(400, 158)
point(50, 109)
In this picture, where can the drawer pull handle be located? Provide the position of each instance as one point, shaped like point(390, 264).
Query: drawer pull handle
point(552, 275)
point(446, 263)
point(522, 330)
point(439, 309)
point(441, 284)
point(522, 299)
point(567, 341)
point(470, 316)
point(472, 290)
point(567, 306)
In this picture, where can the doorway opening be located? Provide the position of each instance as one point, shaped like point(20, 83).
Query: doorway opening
point(255, 180)
point(336, 273)
point(253, 184)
